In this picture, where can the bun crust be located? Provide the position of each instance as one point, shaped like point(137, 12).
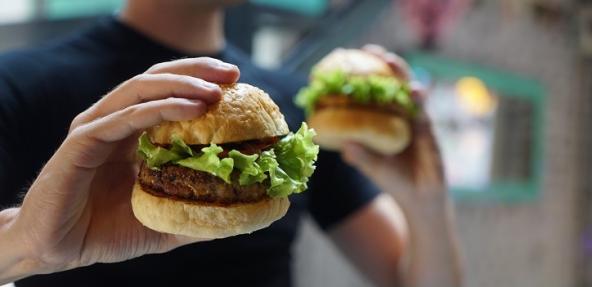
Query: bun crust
point(382, 132)
point(244, 113)
point(354, 62)
point(204, 221)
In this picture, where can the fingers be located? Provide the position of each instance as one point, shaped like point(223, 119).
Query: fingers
point(418, 94)
point(209, 69)
point(397, 64)
point(192, 78)
point(426, 155)
point(180, 240)
point(400, 67)
point(369, 163)
point(88, 145)
point(147, 87)
point(126, 122)
point(423, 151)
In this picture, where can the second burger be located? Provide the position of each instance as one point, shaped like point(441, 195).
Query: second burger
point(355, 96)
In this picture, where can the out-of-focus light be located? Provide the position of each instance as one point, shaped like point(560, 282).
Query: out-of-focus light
point(474, 96)
point(422, 75)
point(12, 11)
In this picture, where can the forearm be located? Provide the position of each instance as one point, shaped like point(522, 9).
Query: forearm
point(434, 255)
point(14, 262)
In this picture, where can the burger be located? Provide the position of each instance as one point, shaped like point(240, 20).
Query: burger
point(228, 172)
point(354, 96)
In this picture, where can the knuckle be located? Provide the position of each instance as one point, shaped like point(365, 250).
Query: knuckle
point(184, 79)
point(77, 133)
point(141, 78)
point(157, 67)
point(79, 117)
point(215, 64)
point(75, 122)
point(130, 111)
point(136, 83)
point(79, 139)
point(172, 102)
point(198, 84)
point(86, 116)
point(207, 61)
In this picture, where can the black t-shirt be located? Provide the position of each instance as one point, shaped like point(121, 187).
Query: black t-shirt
point(42, 90)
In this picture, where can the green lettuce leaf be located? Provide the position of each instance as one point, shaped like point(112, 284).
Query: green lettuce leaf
point(209, 162)
point(287, 166)
point(155, 156)
point(280, 183)
point(180, 147)
point(296, 154)
point(372, 89)
point(250, 171)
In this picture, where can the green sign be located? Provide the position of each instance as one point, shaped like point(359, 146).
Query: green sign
point(306, 7)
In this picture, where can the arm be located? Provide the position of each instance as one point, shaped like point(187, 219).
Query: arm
point(413, 186)
point(435, 259)
point(62, 223)
point(375, 239)
point(378, 241)
point(14, 264)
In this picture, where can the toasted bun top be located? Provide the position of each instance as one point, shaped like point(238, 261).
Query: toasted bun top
point(244, 113)
point(354, 62)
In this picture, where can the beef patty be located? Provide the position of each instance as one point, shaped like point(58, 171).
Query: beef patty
point(185, 183)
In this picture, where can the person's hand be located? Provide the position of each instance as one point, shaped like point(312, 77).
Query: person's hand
point(415, 176)
point(415, 179)
point(78, 211)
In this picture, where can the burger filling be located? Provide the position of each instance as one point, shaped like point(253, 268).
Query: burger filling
point(337, 101)
point(185, 183)
point(248, 171)
point(381, 93)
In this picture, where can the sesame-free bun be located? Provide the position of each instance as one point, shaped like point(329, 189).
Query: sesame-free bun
point(244, 113)
point(382, 132)
point(204, 221)
point(353, 62)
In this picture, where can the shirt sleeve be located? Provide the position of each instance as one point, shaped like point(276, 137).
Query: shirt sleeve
point(337, 190)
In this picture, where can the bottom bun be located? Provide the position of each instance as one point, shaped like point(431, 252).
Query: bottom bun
point(382, 132)
point(168, 215)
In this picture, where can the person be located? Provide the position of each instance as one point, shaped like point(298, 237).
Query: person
point(74, 226)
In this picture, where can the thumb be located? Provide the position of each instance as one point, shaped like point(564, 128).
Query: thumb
point(363, 159)
point(172, 241)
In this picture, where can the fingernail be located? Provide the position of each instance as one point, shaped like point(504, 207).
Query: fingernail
point(200, 106)
point(195, 102)
point(226, 66)
point(212, 86)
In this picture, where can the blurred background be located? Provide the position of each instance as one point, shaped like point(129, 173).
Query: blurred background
point(510, 85)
